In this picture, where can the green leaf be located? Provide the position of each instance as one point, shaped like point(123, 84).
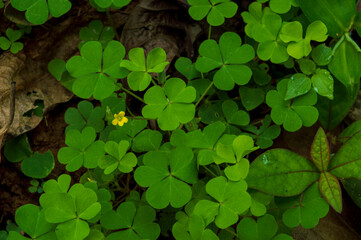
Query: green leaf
point(75, 229)
point(251, 97)
point(331, 190)
point(353, 188)
point(117, 158)
point(232, 200)
point(320, 151)
point(171, 105)
point(337, 22)
point(230, 56)
point(322, 55)
point(147, 140)
point(60, 186)
point(167, 178)
point(333, 112)
point(234, 115)
point(57, 67)
point(347, 162)
point(37, 11)
point(10, 41)
point(347, 55)
point(322, 82)
point(215, 10)
point(139, 78)
point(86, 115)
point(264, 229)
point(292, 114)
point(4, 43)
point(95, 71)
point(131, 222)
point(187, 68)
point(82, 150)
point(281, 173)
point(299, 84)
point(307, 66)
point(308, 211)
point(31, 220)
point(38, 165)
point(291, 32)
point(96, 32)
point(22, 146)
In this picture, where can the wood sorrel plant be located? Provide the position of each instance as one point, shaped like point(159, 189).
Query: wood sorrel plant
point(182, 168)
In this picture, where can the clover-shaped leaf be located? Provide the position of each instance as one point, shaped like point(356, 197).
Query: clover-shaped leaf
point(96, 32)
point(187, 68)
point(259, 202)
point(298, 84)
point(191, 228)
point(85, 115)
point(70, 210)
point(37, 11)
point(147, 140)
point(58, 186)
point(298, 46)
point(96, 71)
point(292, 113)
point(114, 3)
point(22, 146)
point(322, 55)
point(229, 56)
point(307, 66)
point(139, 78)
point(264, 229)
point(282, 6)
point(233, 115)
point(132, 223)
point(9, 42)
point(31, 220)
point(215, 10)
point(308, 211)
point(232, 200)
point(170, 105)
point(38, 165)
point(251, 97)
point(167, 179)
point(117, 157)
point(81, 150)
point(265, 134)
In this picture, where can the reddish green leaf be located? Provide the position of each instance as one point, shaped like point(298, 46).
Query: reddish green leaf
point(320, 150)
point(331, 190)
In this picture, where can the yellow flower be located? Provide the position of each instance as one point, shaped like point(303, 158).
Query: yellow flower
point(120, 119)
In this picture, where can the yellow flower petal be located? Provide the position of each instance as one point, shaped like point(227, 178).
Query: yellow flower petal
point(125, 119)
point(115, 115)
point(115, 122)
point(121, 123)
point(121, 114)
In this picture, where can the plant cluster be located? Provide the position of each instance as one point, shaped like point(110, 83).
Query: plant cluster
point(180, 165)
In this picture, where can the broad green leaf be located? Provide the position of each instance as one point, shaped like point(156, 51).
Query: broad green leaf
point(37, 11)
point(187, 68)
point(307, 66)
point(281, 173)
point(59, 207)
point(346, 55)
point(75, 229)
point(353, 188)
point(291, 32)
point(310, 208)
point(60, 186)
point(331, 190)
point(347, 162)
point(38, 165)
point(337, 22)
point(22, 146)
point(320, 151)
point(146, 141)
point(332, 112)
point(264, 229)
point(215, 10)
point(232, 200)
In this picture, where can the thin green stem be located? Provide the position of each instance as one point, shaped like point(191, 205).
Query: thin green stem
point(130, 112)
point(154, 83)
point(209, 32)
point(131, 93)
point(204, 94)
point(231, 232)
point(112, 23)
point(208, 170)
